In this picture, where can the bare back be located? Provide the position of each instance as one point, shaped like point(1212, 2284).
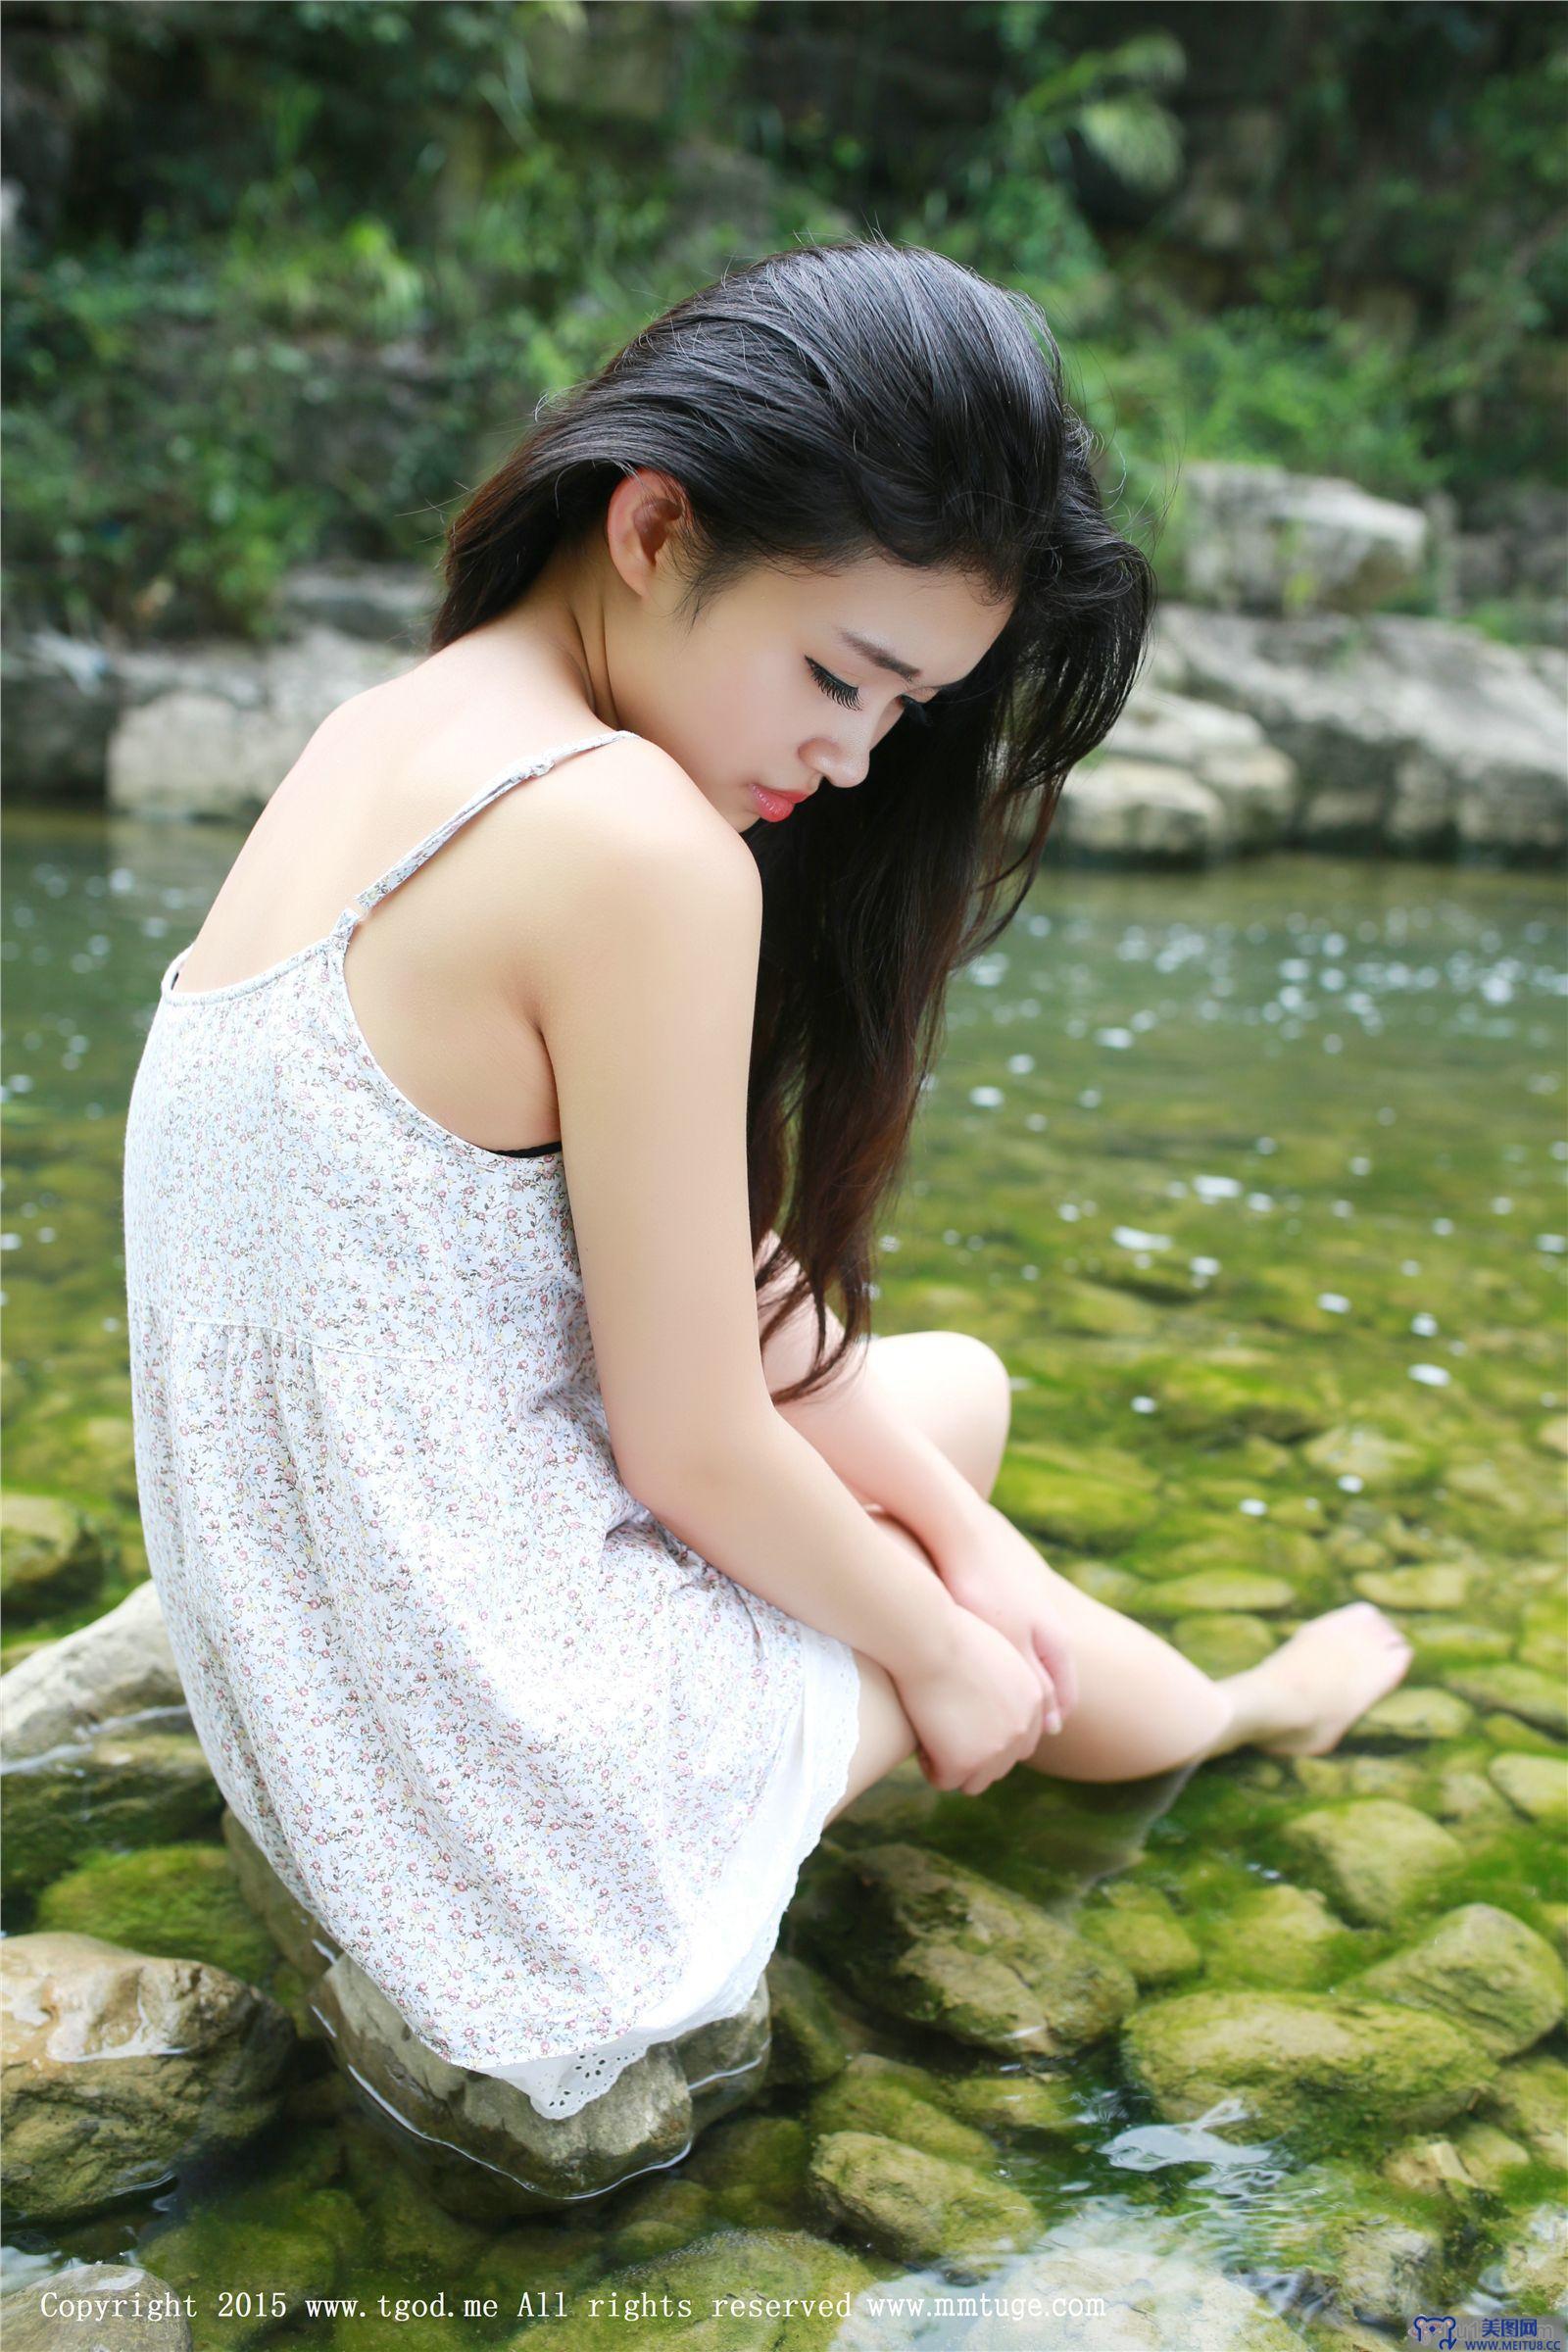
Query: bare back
point(447, 976)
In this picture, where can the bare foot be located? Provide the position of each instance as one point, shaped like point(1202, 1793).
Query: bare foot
point(1328, 1674)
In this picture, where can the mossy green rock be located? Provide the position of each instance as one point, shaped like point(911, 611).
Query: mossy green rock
point(1238, 1400)
point(660, 2216)
point(180, 1901)
point(1357, 1449)
point(298, 2239)
point(1444, 1642)
point(1482, 1968)
point(1532, 2268)
point(754, 2167)
point(895, 2101)
point(808, 2045)
point(1523, 1691)
point(1280, 1936)
point(1529, 2099)
point(923, 1938)
point(741, 2272)
point(1016, 2106)
point(1068, 1507)
point(1220, 1591)
point(1536, 1786)
point(52, 1557)
point(1437, 1585)
point(121, 2070)
point(139, 2309)
point(918, 2206)
point(1224, 1642)
point(1302, 2063)
point(1359, 2247)
point(1413, 1716)
point(1329, 1778)
point(1374, 1857)
point(116, 1789)
point(1138, 1925)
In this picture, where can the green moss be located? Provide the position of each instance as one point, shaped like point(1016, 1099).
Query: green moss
point(183, 1902)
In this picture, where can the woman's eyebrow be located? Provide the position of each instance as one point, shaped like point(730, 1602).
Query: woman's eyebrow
point(880, 656)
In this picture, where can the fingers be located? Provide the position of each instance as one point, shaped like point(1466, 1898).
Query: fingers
point(1055, 1654)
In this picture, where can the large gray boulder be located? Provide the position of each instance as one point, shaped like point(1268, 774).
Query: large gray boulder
point(211, 729)
point(1414, 734)
point(96, 1745)
point(1261, 539)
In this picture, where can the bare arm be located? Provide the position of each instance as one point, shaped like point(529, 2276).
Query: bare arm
point(861, 1431)
point(646, 993)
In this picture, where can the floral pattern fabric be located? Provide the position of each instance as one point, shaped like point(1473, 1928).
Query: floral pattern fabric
point(545, 1773)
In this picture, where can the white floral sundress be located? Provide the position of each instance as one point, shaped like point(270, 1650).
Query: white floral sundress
point(546, 1774)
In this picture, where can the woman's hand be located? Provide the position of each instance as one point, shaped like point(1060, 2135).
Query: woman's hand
point(976, 1711)
point(996, 1574)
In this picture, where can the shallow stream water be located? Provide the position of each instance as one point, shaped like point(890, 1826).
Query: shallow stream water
point(1255, 1180)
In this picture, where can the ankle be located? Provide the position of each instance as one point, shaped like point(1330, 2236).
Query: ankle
point(1263, 1705)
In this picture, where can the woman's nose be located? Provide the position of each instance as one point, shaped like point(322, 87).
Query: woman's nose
point(841, 766)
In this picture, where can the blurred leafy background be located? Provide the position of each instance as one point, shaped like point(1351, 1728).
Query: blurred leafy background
point(284, 278)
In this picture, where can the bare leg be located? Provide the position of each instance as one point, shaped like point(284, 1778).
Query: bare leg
point(1143, 1708)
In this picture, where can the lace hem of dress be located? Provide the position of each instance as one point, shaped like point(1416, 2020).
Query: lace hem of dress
point(561, 2085)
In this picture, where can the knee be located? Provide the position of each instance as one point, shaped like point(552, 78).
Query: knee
point(994, 1383)
point(984, 1382)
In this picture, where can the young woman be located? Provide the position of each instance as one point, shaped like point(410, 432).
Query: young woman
point(546, 1563)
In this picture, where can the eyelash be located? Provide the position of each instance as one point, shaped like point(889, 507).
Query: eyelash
point(850, 696)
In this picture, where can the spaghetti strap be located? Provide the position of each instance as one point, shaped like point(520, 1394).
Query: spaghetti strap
point(362, 900)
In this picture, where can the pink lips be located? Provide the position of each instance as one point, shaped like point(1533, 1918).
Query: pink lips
point(774, 806)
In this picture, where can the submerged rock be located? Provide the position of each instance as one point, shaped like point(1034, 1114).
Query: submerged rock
point(1357, 2250)
point(1278, 1936)
point(1532, 2268)
point(96, 1748)
point(1224, 1642)
point(1530, 2101)
point(1223, 1591)
point(925, 1940)
point(1493, 1975)
point(1147, 2295)
point(808, 2045)
point(1523, 1691)
point(747, 2291)
point(52, 1555)
point(895, 2101)
point(916, 2206)
point(1414, 1715)
point(1536, 1786)
point(1303, 2062)
point(1138, 1925)
point(1018, 2106)
point(482, 2146)
point(1377, 1859)
point(116, 2305)
point(120, 2069)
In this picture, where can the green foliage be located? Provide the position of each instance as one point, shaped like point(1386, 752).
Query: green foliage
point(315, 262)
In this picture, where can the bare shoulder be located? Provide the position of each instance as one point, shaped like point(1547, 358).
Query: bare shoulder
point(609, 830)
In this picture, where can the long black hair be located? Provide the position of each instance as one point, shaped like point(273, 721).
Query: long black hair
point(823, 403)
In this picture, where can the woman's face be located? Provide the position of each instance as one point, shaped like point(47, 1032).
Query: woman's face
point(786, 682)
